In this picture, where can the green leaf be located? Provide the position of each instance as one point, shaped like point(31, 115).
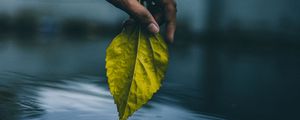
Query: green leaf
point(136, 62)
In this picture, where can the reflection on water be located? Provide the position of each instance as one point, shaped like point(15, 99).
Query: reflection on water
point(64, 80)
point(80, 97)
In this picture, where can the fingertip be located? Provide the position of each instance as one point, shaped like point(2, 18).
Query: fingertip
point(171, 28)
point(170, 38)
point(153, 28)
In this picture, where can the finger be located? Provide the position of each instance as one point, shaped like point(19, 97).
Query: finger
point(170, 17)
point(139, 12)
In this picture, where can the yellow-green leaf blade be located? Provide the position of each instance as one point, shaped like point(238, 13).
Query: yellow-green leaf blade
point(136, 62)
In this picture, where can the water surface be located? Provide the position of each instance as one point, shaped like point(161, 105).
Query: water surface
point(57, 78)
point(64, 79)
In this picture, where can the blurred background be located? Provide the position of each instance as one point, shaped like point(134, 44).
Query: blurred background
point(233, 60)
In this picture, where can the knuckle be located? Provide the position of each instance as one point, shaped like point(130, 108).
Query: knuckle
point(128, 3)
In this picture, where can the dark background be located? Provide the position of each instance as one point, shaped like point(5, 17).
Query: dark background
point(233, 59)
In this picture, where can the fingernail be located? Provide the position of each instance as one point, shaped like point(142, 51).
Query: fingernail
point(153, 28)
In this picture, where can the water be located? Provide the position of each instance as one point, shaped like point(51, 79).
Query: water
point(64, 79)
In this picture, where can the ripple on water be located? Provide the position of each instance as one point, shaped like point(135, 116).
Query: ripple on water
point(80, 97)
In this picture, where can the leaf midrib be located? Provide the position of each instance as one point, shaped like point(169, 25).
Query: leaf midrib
point(134, 68)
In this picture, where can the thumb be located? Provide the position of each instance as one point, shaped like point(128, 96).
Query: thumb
point(141, 14)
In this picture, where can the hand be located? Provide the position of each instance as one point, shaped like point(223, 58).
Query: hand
point(159, 12)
